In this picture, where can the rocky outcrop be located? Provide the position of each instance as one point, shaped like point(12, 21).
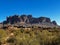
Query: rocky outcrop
point(54, 22)
point(13, 19)
point(28, 19)
point(44, 19)
point(1, 25)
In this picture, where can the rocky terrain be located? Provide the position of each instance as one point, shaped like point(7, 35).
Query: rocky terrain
point(48, 32)
point(29, 21)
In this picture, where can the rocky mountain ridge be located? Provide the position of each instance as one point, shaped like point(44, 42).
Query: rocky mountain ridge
point(29, 20)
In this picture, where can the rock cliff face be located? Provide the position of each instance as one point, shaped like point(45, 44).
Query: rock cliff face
point(1, 25)
point(28, 19)
point(44, 19)
point(54, 22)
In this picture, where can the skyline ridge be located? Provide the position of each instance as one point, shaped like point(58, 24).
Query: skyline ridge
point(27, 15)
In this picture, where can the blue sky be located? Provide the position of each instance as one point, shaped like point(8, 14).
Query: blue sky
point(47, 8)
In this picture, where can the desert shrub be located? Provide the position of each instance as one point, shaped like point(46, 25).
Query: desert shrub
point(3, 35)
point(11, 40)
point(35, 37)
point(0, 43)
point(21, 43)
point(21, 30)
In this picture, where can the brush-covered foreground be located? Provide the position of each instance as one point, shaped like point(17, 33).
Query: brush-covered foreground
point(29, 37)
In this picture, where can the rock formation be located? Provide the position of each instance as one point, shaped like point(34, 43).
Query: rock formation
point(54, 22)
point(28, 20)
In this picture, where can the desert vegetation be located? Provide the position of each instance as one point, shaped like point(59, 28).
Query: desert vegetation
point(29, 37)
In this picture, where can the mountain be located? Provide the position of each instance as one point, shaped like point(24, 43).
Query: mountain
point(29, 20)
